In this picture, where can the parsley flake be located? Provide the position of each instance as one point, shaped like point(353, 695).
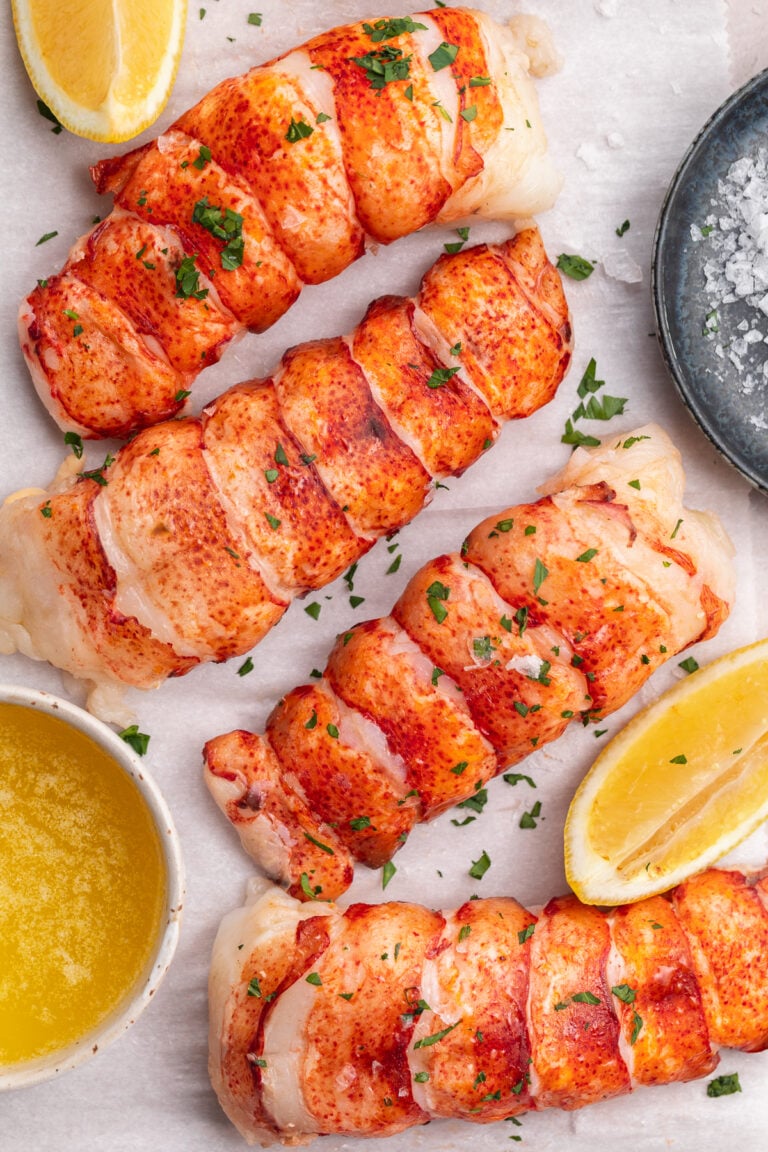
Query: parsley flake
point(444, 55)
point(139, 741)
point(389, 29)
point(724, 1085)
point(188, 280)
point(298, 130)
point(441, 376)
point(384, 66)
point(480, 866)
point(319, 844)
point(575, 266)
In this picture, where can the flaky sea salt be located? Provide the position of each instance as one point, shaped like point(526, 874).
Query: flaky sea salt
point(736, 269)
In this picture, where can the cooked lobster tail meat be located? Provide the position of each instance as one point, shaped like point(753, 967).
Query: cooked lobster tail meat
point(551, 611)
point(368, 1020)
point(276, 179)
point(118, 577)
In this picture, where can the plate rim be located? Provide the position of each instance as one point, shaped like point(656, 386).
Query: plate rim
point(688, 395)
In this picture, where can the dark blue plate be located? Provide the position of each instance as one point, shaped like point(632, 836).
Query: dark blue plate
point(710, 387)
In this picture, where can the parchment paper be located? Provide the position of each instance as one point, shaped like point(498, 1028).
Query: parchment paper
point(638, 82)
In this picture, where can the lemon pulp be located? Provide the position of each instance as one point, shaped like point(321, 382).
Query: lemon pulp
point(688, 775)
point(82, 884)
point(682, 784)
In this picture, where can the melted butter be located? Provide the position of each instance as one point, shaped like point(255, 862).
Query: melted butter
point(82, 884)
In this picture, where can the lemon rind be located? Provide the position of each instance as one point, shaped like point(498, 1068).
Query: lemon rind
point(113, 121)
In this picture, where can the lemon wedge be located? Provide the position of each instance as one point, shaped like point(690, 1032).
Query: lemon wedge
point(105, 69)
point(682, 784)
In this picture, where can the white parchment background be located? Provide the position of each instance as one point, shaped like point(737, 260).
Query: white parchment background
point(639, 80)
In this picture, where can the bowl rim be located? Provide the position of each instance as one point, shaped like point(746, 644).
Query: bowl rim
point(28, 1072)
point(669, 352)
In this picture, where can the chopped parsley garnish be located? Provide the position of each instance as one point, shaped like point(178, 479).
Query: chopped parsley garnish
point(624, 993)
point(577, 998)
point(460, 768)
point(464, 931)
point(540, 573)
point(139, 741)
point(274, 524)
point(444, 55)
point(421, 1077)
point(681, 759)
point(181, 395)
point(515, 778)
point(298, 130)
point(254, 988)
point(387, 873)
point(46, 510)
point(479, 81)
point(477, 802)
point(360, 822)
point(313, 609)
point(307, 889)
point(587, 556)
point(483, 648)
point(314, 978)
point(395, 564)
point(428, 1041)
point(724, 1085)
point(322, 117)
point(528, 819)
point(480, 867)
point(254, 18)
point(46, 113)
point(436, 674)
point(389, 29)
point(575, 266)
point(437, 593)
point(630, 440)
point(332, 731)
point(469, 113)
point(526, 934)
point(312, 722)
point(75, 442)
point(383, 66)
point(578, 439)
point(603, 409)
point(441, 376)
point(188, 280)
point(43, 239)
point(246, 667)
point(622, 228)
point(319, 844)
point(203, 158)
point(226, 225)
point(689, 665)
point(637, 1024)
point(97, 474)
point(677, 529)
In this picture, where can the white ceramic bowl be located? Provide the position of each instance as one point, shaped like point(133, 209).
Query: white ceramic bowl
point(133, 1004)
